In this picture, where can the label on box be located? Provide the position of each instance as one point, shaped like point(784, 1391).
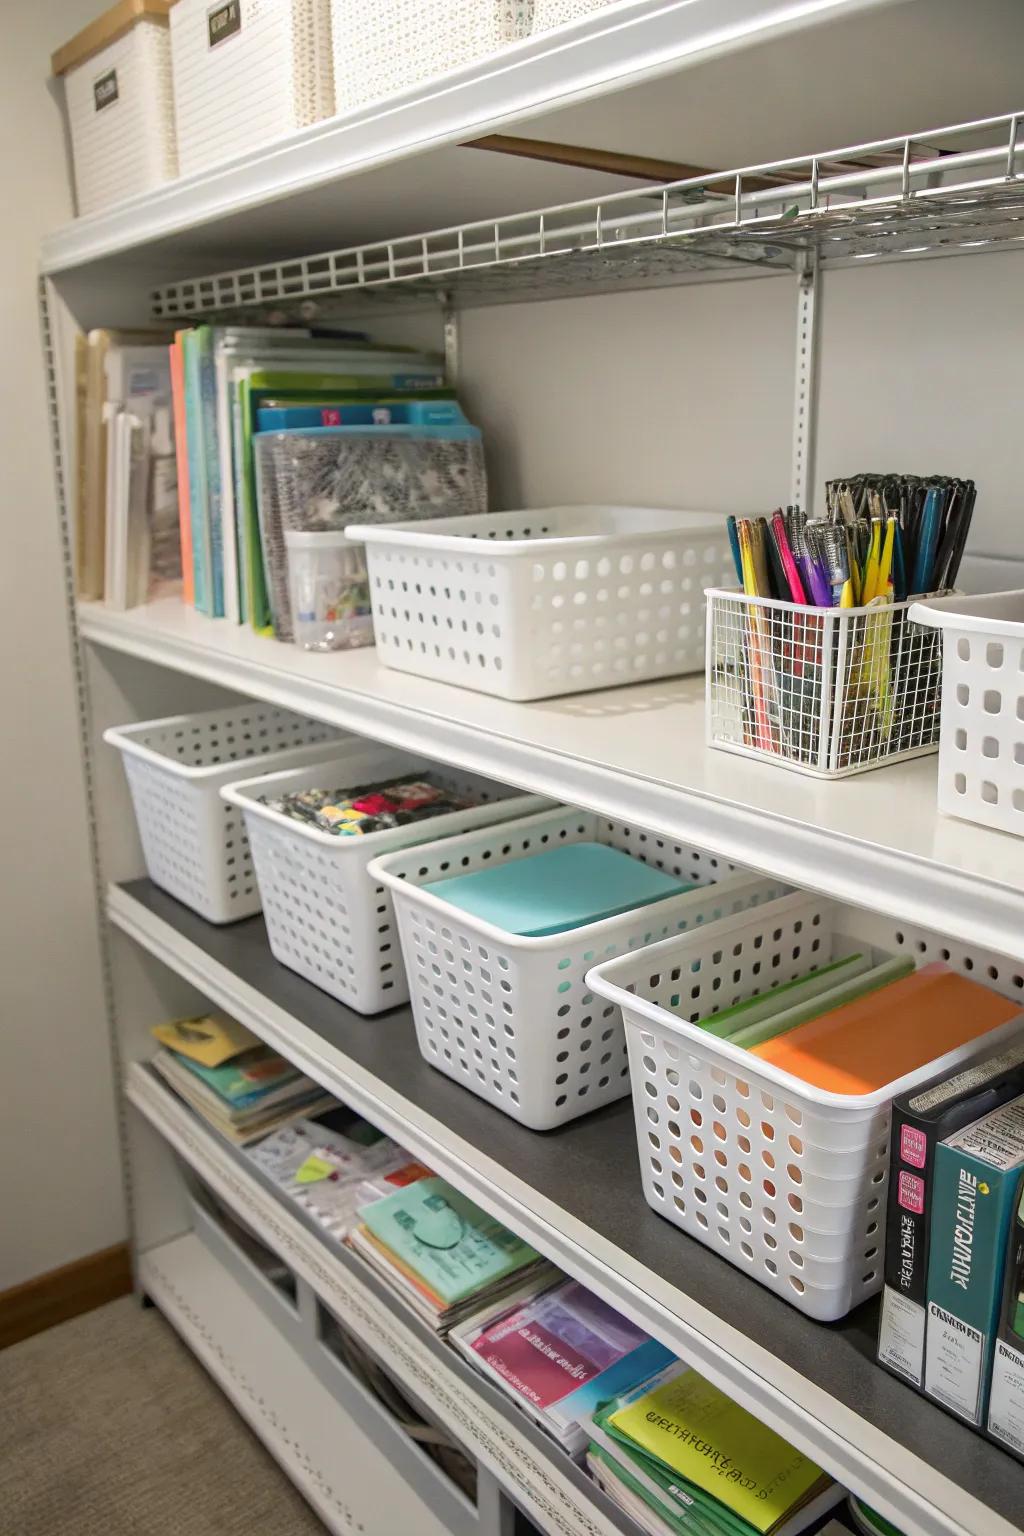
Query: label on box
point(954, 1357)
point(901, 1335)
point(223, 21)
point(913, 1146)
point(1006, 1399)
point(910, 1193)
point(104, 89)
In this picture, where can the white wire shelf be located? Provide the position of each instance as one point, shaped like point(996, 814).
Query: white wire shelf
point(945, 191)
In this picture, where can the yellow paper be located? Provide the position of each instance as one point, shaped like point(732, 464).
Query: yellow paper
point(211, 1039)
point(702, 1436)
point(313, 1170)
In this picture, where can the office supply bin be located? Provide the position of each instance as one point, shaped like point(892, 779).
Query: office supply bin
point(981, 743)
point(511, 1017)
point(195, 846)
point(326, 917)
point(120, 105)
point(247, 72)
point(785, 1180)
point(825, 691)
point(527, 605)
point(401, 42)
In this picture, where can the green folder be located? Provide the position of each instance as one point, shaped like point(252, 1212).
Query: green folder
point(813, 1008)
point(811, 984)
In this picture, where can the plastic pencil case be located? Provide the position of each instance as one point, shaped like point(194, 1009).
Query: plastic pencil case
point(313, 479)
point(768, 1170)
point(120, 106)
point(326, 917)
point(511, 1017)
point(194, 845)
point(826, 691)
point(981, 743)
point(247, 72)
point(527, 605)
point(402, 42)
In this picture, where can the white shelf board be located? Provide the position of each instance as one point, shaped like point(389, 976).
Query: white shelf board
point(332, 1462)
point(632, 42)
point(575, 1195)
point(635, 753)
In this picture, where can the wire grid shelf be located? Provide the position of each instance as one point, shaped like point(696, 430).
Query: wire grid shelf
point(826, 691)
point(952, 189)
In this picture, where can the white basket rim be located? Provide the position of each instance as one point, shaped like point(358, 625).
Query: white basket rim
point(244, 795)
point(381, 869)
point(601, 979)
point(776, 604)
point(432, 533)
point(975, 614)
point(122, 737)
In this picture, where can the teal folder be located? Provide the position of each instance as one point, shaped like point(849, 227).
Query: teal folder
point(558, 889)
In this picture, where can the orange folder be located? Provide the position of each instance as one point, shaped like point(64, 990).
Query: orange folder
point(877, 1039)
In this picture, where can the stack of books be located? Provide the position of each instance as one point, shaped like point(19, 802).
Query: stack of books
point(441, 1254)
point(684, 1460)
point(239, 1086)
point(560, 1354)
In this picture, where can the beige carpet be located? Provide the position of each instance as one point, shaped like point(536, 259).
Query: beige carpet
point(109, 1427)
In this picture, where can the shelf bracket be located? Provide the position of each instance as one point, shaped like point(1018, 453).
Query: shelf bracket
point(450, 324)
point(805, 397)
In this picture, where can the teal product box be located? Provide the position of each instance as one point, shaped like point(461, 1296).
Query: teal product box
point(977, 1172)
point(1006, 1395)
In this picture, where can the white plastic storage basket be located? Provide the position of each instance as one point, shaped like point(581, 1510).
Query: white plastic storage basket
point(195, 846)
point(783, 1179)
point(511, 1017)
point(397, 43)
point(326, 917)
point(826, 691)
point(117, 82)
point(981, 745)
point(247, 72)
point(527, 605)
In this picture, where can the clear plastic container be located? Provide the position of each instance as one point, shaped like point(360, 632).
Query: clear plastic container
point(330, 594)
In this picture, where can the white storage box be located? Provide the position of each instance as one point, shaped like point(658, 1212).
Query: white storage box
point(117, 83)
point(981, 745)
point(326, 917)
point(785, 1180)
point(826, 691)
point(527, 605)
point(196, 846)
point(382, 49)
point(247, 72)
point(511, 1017)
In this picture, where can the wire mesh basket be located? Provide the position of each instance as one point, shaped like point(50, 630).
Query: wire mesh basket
point(827, 691)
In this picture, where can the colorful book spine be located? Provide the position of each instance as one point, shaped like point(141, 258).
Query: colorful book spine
point(920, 1121)
point(1006, 1395)
point(200, 533)
point(977, 1173)
point(211, 464)
point(181, 456)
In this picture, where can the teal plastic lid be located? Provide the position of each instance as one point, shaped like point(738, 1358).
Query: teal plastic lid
point(557, 889)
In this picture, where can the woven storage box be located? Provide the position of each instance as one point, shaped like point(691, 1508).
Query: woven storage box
point(981, 743)
point(826, 691)
point(397, 43)
point(247, 72)
point(117, 83)
point(527, 605)
point(326, 917)
point(511, 1017)
point(195, 846)
point(785, 1180)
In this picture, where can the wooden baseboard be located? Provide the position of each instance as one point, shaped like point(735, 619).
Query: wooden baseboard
point(64, 1293)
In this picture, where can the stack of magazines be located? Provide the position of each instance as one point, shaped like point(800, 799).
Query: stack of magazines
point(684, 1460)
point(441, 1254)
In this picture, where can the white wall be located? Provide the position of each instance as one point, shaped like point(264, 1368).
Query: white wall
point(60, 1183)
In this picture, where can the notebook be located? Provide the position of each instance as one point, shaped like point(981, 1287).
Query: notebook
point(558, 889)
point(880, 1038)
